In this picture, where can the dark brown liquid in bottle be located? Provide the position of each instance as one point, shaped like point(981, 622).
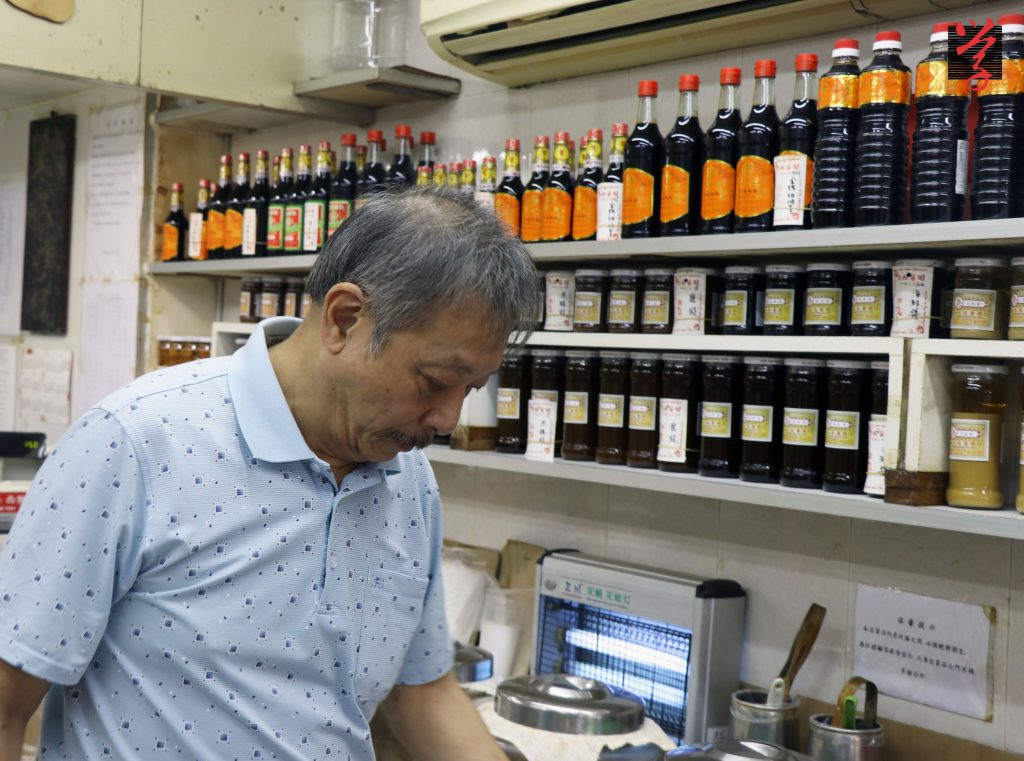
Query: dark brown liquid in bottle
point(720, 419)
point(644, 390)
point(513, 394)
point(763, 399)
point(681, 386)
point(803, 417)
point(611, 425)
point(849, 391)
point(580, 414)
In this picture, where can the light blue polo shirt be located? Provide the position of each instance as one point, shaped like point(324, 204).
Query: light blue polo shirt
point(191, 574)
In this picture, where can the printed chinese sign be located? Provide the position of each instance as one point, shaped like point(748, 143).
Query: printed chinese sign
point(975, 52)
point(926, 650)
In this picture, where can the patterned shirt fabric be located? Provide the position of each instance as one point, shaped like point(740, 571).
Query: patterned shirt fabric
point(197, 586)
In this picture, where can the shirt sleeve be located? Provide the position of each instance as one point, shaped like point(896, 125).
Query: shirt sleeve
point(431, 654)
point(74, 550)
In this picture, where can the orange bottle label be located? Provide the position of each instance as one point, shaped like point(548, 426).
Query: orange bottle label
point(675, 193)
point(637, 196)
point(755, 186)
point(215, 230)
point(808, 178)
point(507, 208)
point(1012, 82)
point(584, 213)
point(533, 216)
point(884, 86)
point(838, 91)
point(557, 206)
point(171, 234)
point(718, 189)
point(932, 78)
point(233, 229)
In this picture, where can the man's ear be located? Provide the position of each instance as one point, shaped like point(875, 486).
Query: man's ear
point(344, 305)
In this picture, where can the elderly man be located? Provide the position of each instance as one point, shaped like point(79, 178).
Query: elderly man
point(239, 557)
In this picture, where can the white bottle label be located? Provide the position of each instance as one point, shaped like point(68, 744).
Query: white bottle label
point(540, 430)
point(790, 186)
point(195, 235)
point(672, 430)
point(609, 211)
point(249, 232)
point(961, 168)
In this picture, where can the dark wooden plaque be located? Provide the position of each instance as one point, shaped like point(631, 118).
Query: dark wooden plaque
point(51, 174)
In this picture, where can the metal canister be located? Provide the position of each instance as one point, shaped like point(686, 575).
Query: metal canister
point(828, 743)
point(751, 718)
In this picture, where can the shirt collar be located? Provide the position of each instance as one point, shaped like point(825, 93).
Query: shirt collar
point(266, 420)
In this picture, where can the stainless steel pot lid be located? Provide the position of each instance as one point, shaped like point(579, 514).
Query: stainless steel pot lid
point(510, 750)
point(734, 750)
point(568, 704)
point(472, 664)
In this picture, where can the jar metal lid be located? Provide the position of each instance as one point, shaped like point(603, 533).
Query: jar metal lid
point(879, 365)
point(773, 268)
point(721, 359)
point(560, 273)
point(872, 265)
point(762, 360)
point(1017, 261)
point(667, 358)
point(919, 263)
point(614, 355)
point(644, 356)
point(698, 271)
point(828, 267)
point(744, 270)
point(655, 271)
point(591, 273)
point(548, 353)
point(580, 354)
point(848, 364)
point(976, 262)
point(626, 273)
point(800, 362)
point(991, 369)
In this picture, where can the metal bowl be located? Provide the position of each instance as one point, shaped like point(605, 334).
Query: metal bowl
point(472, 664)
point(735, 750)
point(568, 704)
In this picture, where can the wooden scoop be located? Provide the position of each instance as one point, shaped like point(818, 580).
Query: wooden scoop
point(802, 644)
point(57, 11)
point(870, 702)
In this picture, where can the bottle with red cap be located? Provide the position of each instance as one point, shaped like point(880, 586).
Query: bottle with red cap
point(684, 163)
point(645, 156)
point(360, 162)
point(794, 166)
point(254, 215)
point(440, 176)
point(938, 172)
point(344, 187)
point(374, 177)
point(584, 202)
point(235, 207)
point(197, 224)
point(880, 179)
point(617, 152)
point(455, 175)
point(759, 145)
point(428, 153)
point(314, 212)
point(556, 204)
point(721, 152)
point(175, 227)
point(533, 217)
point(509, 195)
point(581, 162)
point(218, 205)
point(278, 202)
point(467, 178)
point(834, 151)
point(296, 200)
point(402, 171)
point(484, 195)
point(998, 184)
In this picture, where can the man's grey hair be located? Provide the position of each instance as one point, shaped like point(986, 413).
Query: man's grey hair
point(417, 250)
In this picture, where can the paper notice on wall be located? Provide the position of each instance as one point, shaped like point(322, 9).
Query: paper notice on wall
point(8, 386)
point(12, 246)
point(45, 389)
point(114, 193)
point(108, 354)
point(926, 650)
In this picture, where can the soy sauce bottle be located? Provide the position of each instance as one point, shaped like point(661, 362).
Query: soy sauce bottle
point(584, 202)
point(343, 189)
point(428, 152)
point(254, 216)
point(509, 196)
point(998, 187)
point(233, 217)
point(799, 131)
point(374, 176)
point(617, 152)
point(684, 162)
point(834, 151)
point(759, 145)
point(402, 171)
point(645, 155)
point(218, 208)
point(278, 201)
point(533, 193)
point(721, 151)
point(938, 174)
point(556, 204)
point(880, 179)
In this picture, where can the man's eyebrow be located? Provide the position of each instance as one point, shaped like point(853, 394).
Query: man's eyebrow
point(454, 364)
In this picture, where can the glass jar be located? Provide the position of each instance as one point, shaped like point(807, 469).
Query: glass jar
point(870, 303)
point(846, 426)
point(611, 408)
point(976, 435)
point(696, 294)
point(249, 300)
point(559, 300)
point(980, 299)
point(580, 413)
point(292, 296)
point(783, 299)
point(547, 381)
point(763, 399)
point(644, 391)
point(679, 413)
point(271, 297)
point(513, 392)
point(720, 417)
point(827, 301)
point(742, 307)
point(1016, 322)
point(802, 431)
point(656, 316)
point(874, 482)
point(918, 299)
point(591, 294)
point(623, 296)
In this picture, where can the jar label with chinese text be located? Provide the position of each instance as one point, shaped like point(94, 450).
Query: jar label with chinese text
point(1017, 306)
point(690, 298)
point(587, 309)
point(611, 410)
point(672, 414)
point(716, 420)
point(757, 423)
point(508, 404)
point(824, 306)
point(656, 308)
point(718, 189)
point(637, 196)
point(842, 429)
point(643, 413)
point(778, 306)
point(622, 307)
point(867, 305)
point(575, 410)
point(559, 297)
point(800, 427)
point(973, 309)
point(912, 301)
point(675, 193)
point(734, 309)
point(755, 186)
point(969, 439)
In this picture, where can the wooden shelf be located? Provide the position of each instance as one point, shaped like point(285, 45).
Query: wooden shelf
point(379, 88)
point(1006, 524)
point(298, 264)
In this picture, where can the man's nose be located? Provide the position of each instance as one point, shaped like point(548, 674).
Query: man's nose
point(444, 416)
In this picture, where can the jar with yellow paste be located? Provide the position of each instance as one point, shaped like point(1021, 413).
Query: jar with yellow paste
point(980, 299)
point(975, 436)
